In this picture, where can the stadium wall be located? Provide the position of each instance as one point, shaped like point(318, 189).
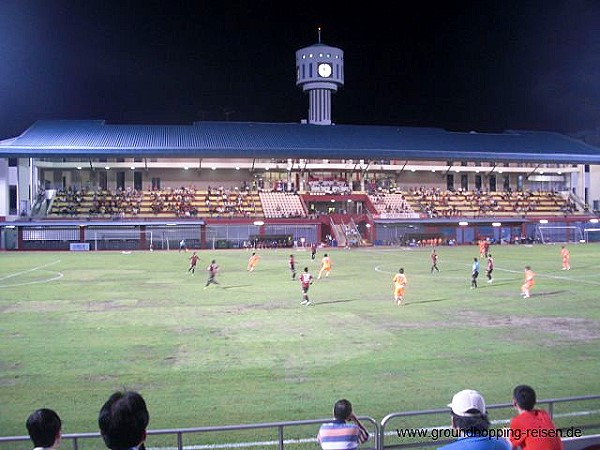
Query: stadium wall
point(212, 234)
point(236, 233)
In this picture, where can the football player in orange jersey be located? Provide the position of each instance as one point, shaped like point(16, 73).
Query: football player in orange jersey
point(566, 258)
point(252, 262)
point(325, 266)
point(528, 283)
point(399, 282)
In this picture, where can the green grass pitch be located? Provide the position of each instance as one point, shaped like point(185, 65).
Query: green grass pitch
point(77, 326)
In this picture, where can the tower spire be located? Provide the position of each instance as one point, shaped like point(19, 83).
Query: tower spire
point(319, 72)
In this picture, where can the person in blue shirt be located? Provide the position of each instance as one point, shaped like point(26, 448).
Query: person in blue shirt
point(470, 424)
point(474, 273)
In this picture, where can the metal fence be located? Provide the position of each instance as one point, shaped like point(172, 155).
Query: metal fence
point(574, 416)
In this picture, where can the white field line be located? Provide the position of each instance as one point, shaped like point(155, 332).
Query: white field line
point(16, 274)
point(307, 440)
point(554, 277)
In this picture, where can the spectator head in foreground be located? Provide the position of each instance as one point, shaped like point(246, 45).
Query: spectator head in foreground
point(470, 424)
point(468, 411)
point(524, 397)
point(529, 418)
point(345, 432)
point(44, 428)
point(342, 410)
point(123, 420)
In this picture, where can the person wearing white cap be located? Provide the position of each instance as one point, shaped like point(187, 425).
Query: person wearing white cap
point(471, 425)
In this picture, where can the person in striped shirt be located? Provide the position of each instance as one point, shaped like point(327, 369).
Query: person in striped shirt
point(345, 431)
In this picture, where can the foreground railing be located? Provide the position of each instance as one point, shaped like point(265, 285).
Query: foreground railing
point(576, 417)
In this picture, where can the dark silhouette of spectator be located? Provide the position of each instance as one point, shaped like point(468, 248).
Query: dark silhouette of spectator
point(123, 420)
point(44, 427)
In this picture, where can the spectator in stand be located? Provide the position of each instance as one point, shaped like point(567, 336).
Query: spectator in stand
point(44, 427)
point(123, 420)
point(470, 424)
point(345, 432)
point(532, 428)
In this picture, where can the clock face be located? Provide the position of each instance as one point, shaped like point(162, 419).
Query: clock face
point(324, 70)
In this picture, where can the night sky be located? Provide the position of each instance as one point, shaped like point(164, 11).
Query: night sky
point(481, 65)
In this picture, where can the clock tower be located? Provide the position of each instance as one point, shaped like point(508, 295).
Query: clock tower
point(320, 72)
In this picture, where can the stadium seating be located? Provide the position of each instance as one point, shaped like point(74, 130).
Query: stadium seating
point(392, 206)
point(167, 203)
point(434, 203)
point(282, 205)
point(231, 202)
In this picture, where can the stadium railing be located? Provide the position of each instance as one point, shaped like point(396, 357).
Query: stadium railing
point(571, 415)
point(183, 437)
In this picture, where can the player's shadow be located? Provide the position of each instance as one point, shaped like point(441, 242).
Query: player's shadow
point(545, 294)
point(331, 302)
point(421, 302)
point(235, 286)
point(444, 270)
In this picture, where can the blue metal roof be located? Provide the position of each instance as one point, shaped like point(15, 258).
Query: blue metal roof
point(89, 139)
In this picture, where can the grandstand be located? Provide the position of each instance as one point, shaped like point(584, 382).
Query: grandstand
point(119, 173)
point(314, 173)
point(370, 215)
